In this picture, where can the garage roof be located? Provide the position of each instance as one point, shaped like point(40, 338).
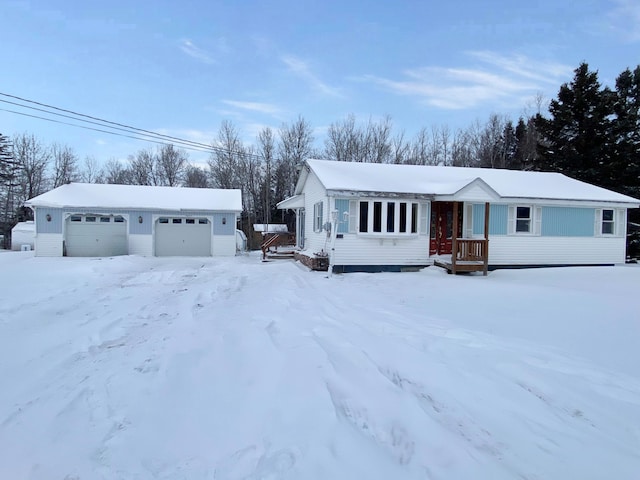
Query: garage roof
point(93, 195)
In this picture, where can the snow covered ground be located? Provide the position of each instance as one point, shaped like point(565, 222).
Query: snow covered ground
point(183, 368)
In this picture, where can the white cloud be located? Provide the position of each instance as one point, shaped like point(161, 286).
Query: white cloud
point(259, 107)
point(303, 70)
point(193, 51)
point(500, 79)
point(625, 19)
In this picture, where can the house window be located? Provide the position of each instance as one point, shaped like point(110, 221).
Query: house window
point(76, 218)
point(403, 217)
point(163, 220)
point(608, 223)
point(364, 217)
point(377, 217)
point(105, 219)
point(523, 219)
point(388, 217)
point(317, 217)
point(414, 218)
point(391, 217)
point(203, 221)
point(118, 219)
point(89, 219)
point(190, 221)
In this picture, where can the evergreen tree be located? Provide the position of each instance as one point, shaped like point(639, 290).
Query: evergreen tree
point(576, 139)
point(626, 133)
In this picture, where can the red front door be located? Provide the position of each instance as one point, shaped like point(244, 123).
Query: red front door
point(441, 228)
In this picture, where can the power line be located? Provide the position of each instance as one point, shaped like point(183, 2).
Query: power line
point(91, 128)
point(157, 138)
point(189, 145)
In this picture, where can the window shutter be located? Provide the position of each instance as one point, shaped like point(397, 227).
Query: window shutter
point(597, 224)
point(424, 214)
point(511, 220)
point(321, 215)
point(537, 225)
point(468, 220)
point(353, 212)
point(621, 222)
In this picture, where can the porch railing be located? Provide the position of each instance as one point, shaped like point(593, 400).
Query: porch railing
point(470, 255)
point(277, 239)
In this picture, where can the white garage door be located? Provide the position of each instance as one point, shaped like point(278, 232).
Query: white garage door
point(95, 236)
point(183, 237)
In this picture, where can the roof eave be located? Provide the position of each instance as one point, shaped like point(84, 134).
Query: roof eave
point(359, 193)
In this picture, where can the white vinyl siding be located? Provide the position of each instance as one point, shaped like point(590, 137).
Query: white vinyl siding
point(540, 250)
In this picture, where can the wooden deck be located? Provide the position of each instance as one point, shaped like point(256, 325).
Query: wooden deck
point(278, 245)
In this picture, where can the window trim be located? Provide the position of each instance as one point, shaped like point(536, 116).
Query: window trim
point(611, 222)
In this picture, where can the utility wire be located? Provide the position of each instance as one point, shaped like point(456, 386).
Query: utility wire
point(91, 128)
point(118, 126)
point(186, 144)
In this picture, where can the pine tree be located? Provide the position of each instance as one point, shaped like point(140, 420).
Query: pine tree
point(626, 133)
point(576, 139)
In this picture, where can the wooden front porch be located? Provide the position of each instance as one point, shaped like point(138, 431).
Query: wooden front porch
point(467, 255)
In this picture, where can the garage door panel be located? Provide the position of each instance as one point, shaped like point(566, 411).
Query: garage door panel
point(182, 237)
point(95, 236)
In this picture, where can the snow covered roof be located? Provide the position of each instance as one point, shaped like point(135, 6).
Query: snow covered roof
point(271, 228)
point(93, 195)
point(439, 180)
point(27, 227)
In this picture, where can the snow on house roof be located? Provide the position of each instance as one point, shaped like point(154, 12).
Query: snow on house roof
point(439, 180)
point(93, 195)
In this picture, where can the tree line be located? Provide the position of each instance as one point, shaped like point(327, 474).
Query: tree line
point(589, 132)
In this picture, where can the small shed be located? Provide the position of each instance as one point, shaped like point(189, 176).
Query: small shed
point(23, 236)
point(98, 220)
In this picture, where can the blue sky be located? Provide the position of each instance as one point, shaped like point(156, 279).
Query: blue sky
point(181, 68)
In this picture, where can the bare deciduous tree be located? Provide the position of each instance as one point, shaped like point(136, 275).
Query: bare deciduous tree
point(295, 146)
point(90, 172)
point(224, 161)
point(33, 159)
point(142, 168)
point(65, 165)
point(115, 172)
point(170, 165)
point(266, 149)
point(195, 177)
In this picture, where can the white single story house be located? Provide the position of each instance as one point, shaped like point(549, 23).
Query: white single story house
point(23, 236)
point(390, 217)
point(97, 220)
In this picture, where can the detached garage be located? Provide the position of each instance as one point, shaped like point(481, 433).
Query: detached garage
point(96, 220)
